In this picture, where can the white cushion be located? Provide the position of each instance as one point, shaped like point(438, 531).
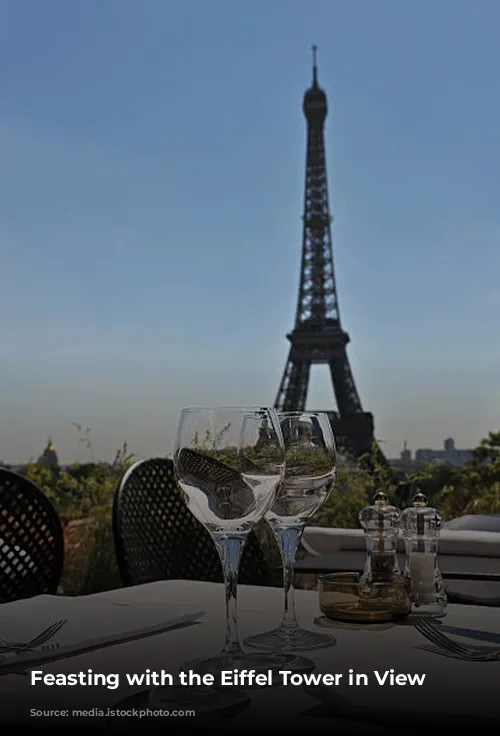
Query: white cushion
point(324, 541)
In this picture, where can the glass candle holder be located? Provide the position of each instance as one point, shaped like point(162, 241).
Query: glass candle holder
point(348, 597)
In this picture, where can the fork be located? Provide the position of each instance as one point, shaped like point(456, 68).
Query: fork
point(41, 638)
point(453, 655)
point(50, 647)
point(429, 630)
point(45, 648)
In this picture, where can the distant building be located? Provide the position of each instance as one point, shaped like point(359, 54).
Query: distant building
point(448, 455)
point(405, 460)
point(49, 456)
point(405, 457)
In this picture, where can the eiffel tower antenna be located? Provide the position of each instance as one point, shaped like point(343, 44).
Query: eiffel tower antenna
point(315, 65)
point(318, 336)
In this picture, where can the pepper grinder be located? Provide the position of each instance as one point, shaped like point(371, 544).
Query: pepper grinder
point(381, 526)
point(421, 526)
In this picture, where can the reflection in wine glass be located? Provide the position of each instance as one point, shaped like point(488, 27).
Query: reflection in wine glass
point(229, 464)
point(309, 478)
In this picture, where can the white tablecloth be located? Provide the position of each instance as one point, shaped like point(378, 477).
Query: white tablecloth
point(474, 687)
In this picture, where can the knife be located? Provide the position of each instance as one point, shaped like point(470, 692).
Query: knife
point(338, 707)
point(471, 633)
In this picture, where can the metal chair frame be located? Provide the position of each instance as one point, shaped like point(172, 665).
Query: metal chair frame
point(31, 540)
point(157, 538)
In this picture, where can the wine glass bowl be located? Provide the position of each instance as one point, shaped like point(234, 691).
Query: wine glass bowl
point(310, 457)
point(218, 495)
point(310, 469)
point(228, 483)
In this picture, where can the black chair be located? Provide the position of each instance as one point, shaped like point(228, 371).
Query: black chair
point(157, 537)
point(31, 540)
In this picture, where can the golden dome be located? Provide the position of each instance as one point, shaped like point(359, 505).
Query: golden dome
point(49, 455)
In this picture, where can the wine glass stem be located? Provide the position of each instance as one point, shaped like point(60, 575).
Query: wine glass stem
point(230, 549)
point(288, 540)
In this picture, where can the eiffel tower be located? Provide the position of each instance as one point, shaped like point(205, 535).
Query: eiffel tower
point(318, 336)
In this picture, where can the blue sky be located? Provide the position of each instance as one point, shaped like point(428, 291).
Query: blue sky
point(150, 199)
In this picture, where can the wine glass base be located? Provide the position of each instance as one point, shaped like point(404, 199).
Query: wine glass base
point(248, 671)
point(282, 639)
point(330, 623)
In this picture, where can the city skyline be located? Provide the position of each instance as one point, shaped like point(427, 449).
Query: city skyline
point(408, 456)
point(150, 210)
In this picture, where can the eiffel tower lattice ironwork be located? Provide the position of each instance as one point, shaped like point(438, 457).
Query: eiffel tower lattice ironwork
point(318, 336)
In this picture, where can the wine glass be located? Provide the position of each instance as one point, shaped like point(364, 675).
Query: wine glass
point(229, 463)
point(309, 478)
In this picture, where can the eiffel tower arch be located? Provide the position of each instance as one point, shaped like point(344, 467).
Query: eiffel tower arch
point(318, 337)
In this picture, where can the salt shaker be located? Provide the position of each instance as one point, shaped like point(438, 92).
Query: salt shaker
point(381, 526)
point(421, 526)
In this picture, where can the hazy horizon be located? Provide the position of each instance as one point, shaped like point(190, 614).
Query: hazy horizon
point(151, 202)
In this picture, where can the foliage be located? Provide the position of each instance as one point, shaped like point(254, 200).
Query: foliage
point(351, 492)
point(210, 444)
point(83, 495)
point(473, 488)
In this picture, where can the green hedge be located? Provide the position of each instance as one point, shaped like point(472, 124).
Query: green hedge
point(83, 495)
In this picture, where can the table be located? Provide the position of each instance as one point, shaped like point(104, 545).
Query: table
point(449, 683)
